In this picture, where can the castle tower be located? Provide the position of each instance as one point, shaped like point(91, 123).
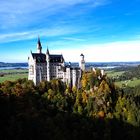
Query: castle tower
point(48, 64)
point(39, 46)
point(74, 82)
point(82, 62)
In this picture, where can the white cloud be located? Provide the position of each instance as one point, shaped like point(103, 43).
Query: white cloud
point(74, 39)
point(27, 6)
point(14, 12)
point(109, 52)
point(56, 31)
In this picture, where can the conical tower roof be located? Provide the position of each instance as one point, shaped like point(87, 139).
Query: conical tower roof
point(39, 46)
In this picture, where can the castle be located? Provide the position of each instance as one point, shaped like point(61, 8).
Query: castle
point(45, 67)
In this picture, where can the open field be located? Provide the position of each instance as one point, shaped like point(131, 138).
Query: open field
point(14, 71)
point(14, 74)
point(112, 73)
point(129, 83)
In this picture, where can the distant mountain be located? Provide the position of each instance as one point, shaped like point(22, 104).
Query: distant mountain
point(2, 64)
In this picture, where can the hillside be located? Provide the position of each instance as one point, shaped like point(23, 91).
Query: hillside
point(133, 72)
point(54, 111)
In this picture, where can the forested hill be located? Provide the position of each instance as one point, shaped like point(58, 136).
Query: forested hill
point(2, 64)
point(54, 111)
point(132, 72)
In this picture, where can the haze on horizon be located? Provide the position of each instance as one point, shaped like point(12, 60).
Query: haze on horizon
point(103, 30)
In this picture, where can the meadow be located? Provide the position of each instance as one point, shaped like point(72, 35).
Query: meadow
point(13, 74)
point(129, 83)
point(126, 83)
point(112, 73)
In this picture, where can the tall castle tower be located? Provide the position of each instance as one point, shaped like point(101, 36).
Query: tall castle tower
point(39, 46)
point(82, 62)
point(48, 64)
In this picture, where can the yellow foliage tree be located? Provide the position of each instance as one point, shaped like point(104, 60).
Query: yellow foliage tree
point(84, 80)
point(104, 87)
point(84, 97)
point(101, 114)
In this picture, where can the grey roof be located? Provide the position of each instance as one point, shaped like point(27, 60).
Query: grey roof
point(56, 59)
point(40, 58)
point(71, 68)
point(39, 43)
point(47, 52)
point(39, 46)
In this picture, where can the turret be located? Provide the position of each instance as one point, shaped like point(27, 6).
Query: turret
point(48, 64)
point(82, 62)
point(39, 47)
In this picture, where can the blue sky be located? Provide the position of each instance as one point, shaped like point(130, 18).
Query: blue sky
point(104, 30)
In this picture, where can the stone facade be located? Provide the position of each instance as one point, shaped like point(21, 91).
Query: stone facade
point(45, 67)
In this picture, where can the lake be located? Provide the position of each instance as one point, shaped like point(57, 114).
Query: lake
point(8, 68)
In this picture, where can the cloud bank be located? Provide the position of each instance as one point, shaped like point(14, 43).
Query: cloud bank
point(109, 52)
